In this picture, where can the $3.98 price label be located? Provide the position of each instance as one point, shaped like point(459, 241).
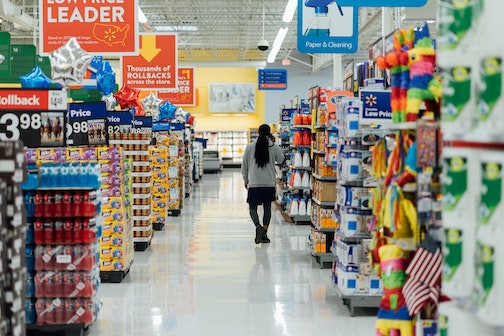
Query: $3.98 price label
point(35, 128)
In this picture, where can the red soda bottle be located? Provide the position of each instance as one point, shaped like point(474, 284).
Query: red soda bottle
point(41, 314)
point(68, 286)
point(38, 232)
point(39, 205)
point(58, 285)
point(48, 232)
point(40, 284)
point(87, 285)
point(68, 232)
point(88, 231)
point(77, 204)
point(49, 311)
point(88, 315)
point(58, 205)
point(48, 205)
point(67, 206)
point(68, 311)
point(59, 234)
point(58, 313)
point(77, 231)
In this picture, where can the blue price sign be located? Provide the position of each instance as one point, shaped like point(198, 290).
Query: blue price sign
point(376, 107)
point(383, 3)
point(287, 115)
point(326, 27)
point(86, 124)
point(119, 122)
point(272, 79)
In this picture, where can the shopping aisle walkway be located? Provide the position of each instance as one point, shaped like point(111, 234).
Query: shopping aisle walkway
point(204, 275)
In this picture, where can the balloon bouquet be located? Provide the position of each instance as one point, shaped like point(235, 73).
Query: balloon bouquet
point(69, 64)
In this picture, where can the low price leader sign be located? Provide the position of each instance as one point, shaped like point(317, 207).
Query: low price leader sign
point(105, 27)
point(156, 66)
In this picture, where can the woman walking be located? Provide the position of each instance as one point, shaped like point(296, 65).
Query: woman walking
point(258, 171)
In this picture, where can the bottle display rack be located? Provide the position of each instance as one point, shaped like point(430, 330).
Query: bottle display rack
point(63, 255)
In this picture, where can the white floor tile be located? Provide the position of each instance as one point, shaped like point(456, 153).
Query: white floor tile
point(204, 275)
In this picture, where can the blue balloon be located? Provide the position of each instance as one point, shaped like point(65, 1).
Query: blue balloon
point(106, 79)
point(35, 79)
point(167, 111)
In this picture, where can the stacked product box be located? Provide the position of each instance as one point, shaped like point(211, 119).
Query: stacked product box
point(116, 244)
point(136, 147)
point(171, 141)
point(12, 242)
point(63, 200)
point(160, 196)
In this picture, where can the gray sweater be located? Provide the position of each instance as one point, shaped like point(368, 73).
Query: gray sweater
point(255, 175)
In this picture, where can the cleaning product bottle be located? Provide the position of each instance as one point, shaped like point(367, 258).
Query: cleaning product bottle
point(320, 25)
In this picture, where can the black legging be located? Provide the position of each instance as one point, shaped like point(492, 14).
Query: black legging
point(266, 215)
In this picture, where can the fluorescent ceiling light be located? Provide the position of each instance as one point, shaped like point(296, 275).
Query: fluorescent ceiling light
point(176, 28)
point(277, 44)
point(290, 9)
point(141, 16)
point(282, 32)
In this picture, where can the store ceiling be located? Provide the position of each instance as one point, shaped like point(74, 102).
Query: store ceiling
point(223, 31)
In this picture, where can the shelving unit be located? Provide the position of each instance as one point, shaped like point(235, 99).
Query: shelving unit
point(324, 177)
point(299, 164)
point(230, 144)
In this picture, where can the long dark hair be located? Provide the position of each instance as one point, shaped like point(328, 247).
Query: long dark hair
point(262, 146)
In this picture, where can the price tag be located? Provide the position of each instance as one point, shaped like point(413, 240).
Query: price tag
point(64, 259)
point(87, 124)
point(57, 100)
point(119, 122)
point(35, 129)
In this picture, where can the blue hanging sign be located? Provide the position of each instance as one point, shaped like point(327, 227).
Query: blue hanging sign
point(326, 27)
point(177, 126)
point(119, 122)
point(272, 79)
point(383, 3)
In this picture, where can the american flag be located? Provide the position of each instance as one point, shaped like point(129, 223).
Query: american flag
point(424, 276)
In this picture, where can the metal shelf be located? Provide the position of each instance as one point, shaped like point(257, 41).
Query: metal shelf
point(302, 146)
point(302, 126)
point(325, 178)
point(321, 229)
point(411, 125)
point(318, 151)
point(301, 168)
point(353, 239)
point(299, 188)
point(329, 204)
point(359, 300)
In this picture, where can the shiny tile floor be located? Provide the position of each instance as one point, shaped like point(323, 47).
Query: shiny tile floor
point(204, 275)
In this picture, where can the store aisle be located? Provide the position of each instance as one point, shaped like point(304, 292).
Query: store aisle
point(204, 275)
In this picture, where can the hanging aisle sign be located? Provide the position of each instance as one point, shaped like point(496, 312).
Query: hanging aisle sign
point(383, 3)
point(37, 117)
point(185, 94)
point(87, 124)
point(326, 27)
point(101, 27)
point(272, 79)
point(156, 66)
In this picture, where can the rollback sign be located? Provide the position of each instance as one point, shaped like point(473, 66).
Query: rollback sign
point(36, 117)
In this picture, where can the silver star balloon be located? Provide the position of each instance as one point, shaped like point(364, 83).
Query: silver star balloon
point(69, 63)
point(110, 101)
point(2, 58)
point(180, 115)
point(151, 104)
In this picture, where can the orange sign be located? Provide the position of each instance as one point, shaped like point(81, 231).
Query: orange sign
point(156, 66)
point(101, 27)
point(184, 95)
